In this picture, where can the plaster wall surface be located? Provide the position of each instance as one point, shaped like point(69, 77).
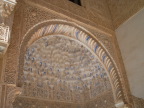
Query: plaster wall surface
point(130, 36)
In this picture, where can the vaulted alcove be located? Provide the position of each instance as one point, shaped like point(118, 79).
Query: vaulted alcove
point(60, 69)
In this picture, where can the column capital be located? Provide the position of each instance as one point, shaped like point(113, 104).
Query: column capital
point(4, 38)
point(6, 7)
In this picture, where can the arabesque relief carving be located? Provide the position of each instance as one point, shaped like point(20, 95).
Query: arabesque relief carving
point(39, 76)
point(57, 68)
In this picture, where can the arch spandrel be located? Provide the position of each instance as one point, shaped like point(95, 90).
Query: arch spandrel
point(82, 36)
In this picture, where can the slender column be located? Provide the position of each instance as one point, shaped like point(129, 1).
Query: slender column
point(7, 92)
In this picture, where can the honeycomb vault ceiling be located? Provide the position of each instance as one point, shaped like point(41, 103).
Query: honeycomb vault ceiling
point(60, 69)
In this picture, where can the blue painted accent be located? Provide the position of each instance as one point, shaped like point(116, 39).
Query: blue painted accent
point(96, 48)
point(55, 28)
point(99, 67)
point(88, 38)
point(77, 33)
point(110, 68)
point(102, 75)
point(40, 63)
point(44, 73)
point(96, 75)
point(33, 59)
point(104, 57)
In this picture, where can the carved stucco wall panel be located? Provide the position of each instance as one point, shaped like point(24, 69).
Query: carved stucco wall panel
point(11, 56)
point(11, 63)
point(29, 17)
point(35, 15)
point(103, 101)
point(26, 102)
point(25, 18)
point(78, 13)
point(39, 32)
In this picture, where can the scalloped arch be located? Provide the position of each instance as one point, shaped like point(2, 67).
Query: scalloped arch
point(78, 33)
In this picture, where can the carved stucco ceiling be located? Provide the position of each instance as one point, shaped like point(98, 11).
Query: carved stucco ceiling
point(59, 68)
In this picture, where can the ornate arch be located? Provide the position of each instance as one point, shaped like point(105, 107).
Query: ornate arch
point(80, 34)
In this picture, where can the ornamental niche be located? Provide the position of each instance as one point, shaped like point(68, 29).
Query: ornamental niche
point(57, 68)
point(60, 63)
